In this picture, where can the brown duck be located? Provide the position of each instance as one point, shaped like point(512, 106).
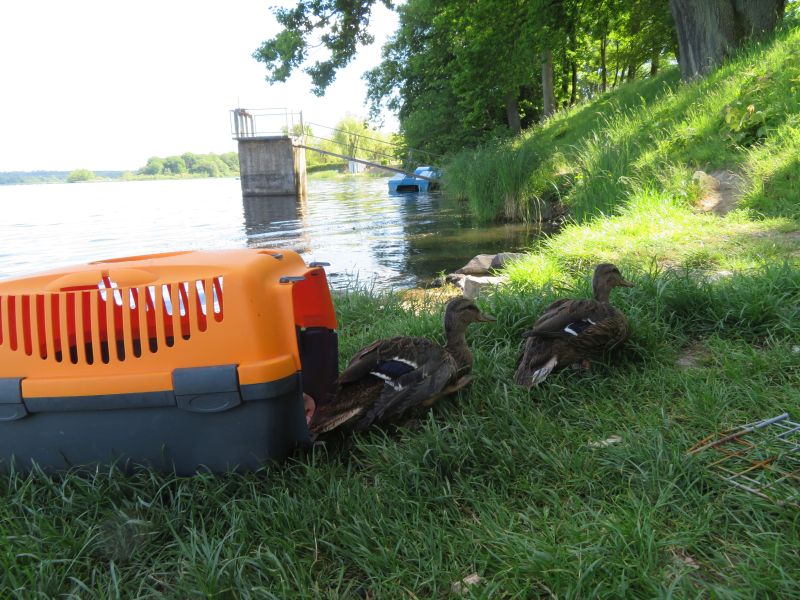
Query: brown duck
point(389, 377)
point(572, 331)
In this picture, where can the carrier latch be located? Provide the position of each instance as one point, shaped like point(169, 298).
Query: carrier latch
point(206, 389)
point(11, 405)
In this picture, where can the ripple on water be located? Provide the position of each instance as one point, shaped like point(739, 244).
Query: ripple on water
point(368, 236)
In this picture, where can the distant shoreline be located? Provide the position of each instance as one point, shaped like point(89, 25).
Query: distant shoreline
point(20, 178)
point(27, 178)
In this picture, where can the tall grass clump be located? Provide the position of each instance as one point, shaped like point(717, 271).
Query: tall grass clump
point(498, 176)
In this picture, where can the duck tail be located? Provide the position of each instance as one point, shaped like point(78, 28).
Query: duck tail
point(323, 423)
point(540, 374)
point(536, 363)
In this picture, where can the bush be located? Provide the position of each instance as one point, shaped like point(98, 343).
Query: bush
point(80, 175)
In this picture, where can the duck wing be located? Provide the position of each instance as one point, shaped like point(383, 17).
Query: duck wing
point(566, 318)
point(568, 332)
point(384, 380)
point(412, 370)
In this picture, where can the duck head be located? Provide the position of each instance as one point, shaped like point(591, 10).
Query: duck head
point(607, 277)
point(460, 312)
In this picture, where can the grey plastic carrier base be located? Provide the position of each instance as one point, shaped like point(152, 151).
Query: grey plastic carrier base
point(206, 423)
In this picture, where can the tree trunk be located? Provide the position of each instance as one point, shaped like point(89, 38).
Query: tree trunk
point(565, 80)
point(654, 62)
point(631, 72)
point(548, 97)
point(512, 113)
point(573, 95)
point(603, 70)
point(572, 64)
point(708, 30)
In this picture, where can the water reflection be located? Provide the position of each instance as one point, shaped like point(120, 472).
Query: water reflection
point(272, 221)
point(354, 224)
point(378, 239)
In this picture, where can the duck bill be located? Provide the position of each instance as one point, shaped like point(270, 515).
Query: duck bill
point(483, 317)
point(626, 283)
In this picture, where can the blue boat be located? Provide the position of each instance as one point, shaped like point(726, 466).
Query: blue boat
point(404, 184)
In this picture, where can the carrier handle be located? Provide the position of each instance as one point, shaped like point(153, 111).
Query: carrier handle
point(87, 280)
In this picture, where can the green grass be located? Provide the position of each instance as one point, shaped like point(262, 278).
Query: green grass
point(596, 157)
point(498, 480)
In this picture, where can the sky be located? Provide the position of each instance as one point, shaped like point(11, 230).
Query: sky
point(106, 84)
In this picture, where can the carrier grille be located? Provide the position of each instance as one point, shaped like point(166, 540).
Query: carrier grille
point(105, 323)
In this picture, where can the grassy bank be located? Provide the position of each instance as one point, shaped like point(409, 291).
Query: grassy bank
point(498, 481)
point(652, 133)
point(502, 481)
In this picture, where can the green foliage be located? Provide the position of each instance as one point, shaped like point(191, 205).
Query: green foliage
point(350, 137)
point(744, 125)
point(79, 175)
point(154, 166)
point(461, 73)
point(189, 159)
point(189, 164)
point(231, 160)
point(596, 158)
point(174, 165)
point(346, 25)
point(209, 166)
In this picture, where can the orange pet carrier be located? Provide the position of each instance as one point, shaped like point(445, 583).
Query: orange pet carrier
point(179, 361)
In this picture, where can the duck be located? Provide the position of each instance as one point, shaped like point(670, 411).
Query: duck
point(388, 378)
point(570, 332)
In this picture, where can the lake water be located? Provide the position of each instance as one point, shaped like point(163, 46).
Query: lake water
point(367, 235)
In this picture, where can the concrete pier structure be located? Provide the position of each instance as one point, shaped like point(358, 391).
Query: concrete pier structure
point(271, 161)
point(271, 166)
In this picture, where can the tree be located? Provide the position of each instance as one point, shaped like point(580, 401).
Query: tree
point(231, 159)
point(345, 25)
point(189, 159)
point(548, 95)
point(174, 165)
point(209, 165)
point(80, 175)
point(709, 30)
point(415, 78)
point(154, 166)
point(458, 72)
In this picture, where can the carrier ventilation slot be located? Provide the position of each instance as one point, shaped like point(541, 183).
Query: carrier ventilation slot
point(106, 323)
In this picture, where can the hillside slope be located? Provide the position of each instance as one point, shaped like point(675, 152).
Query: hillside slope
point(652, 134)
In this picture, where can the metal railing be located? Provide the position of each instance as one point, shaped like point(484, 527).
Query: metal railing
point(281, 122)
point(265, 122)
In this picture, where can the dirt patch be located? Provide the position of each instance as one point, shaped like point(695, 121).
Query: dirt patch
point(692, 357)
point(419, 300)
point(789, 239)
point(721, 190)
